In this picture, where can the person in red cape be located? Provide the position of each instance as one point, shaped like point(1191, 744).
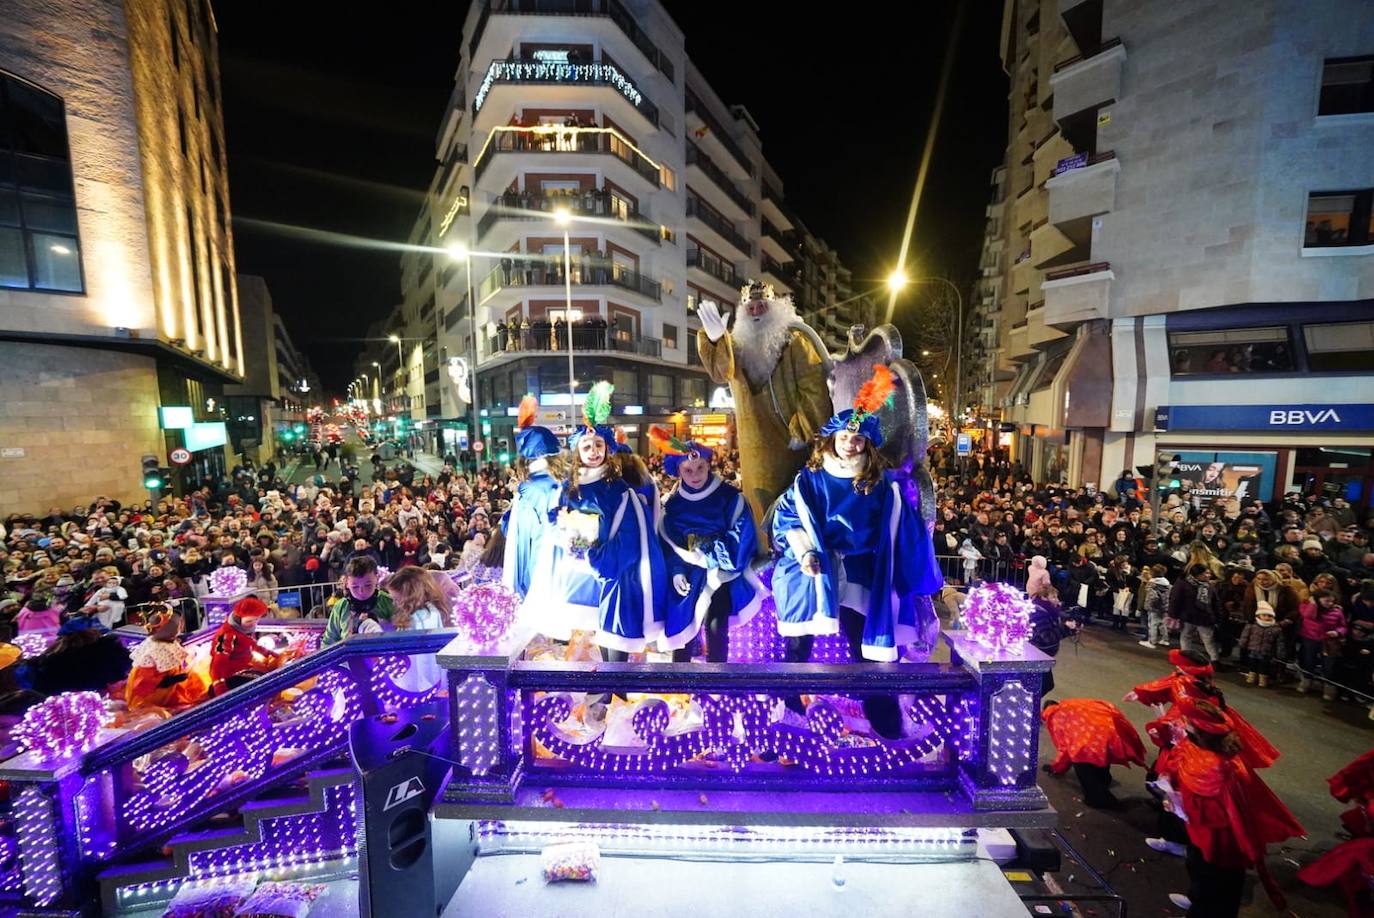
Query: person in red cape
point(1231, 815)
point(236, 656)
point(1192, 679)
point(1092, 736)
point(1355, 784)
point(1350, 865)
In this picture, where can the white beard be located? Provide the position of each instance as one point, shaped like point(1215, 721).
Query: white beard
point(759, 342)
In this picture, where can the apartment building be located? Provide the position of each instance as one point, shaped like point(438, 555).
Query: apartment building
point(1183, 256)
point(587, 125)
point(117, 295)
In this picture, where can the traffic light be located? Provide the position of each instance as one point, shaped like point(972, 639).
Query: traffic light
point(1166, 465)
point(288, 435)
point(486, 428)
point(154, 477)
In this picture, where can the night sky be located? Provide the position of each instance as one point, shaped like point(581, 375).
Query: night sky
point(333, 127)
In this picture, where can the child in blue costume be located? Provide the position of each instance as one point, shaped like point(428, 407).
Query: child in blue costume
point(709, 540)
point(855, 555)
point(529, 554)
point(623, 563)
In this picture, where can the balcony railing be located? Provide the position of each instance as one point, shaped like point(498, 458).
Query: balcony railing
point(703, 162)
point(554, 138)
point(703, 212)
point(777, 270)
point(721, 272)
point(546, 338)
point(586, 272)
point(1070, 61)
point(695, 106)
point(612, 9)
point(524, 205)
point(1079, 270)
point(602, 72)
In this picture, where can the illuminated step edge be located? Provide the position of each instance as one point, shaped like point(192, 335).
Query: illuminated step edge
point(313, 835)
point(793, 842)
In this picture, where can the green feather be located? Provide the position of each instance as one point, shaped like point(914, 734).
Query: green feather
point(598, 405)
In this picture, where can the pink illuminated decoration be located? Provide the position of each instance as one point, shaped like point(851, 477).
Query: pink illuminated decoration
point(63, 725)
point(33, 643)
point(998, 617)
point(758, 641)
point(734, 728)
point(383, 572)
point(484, 613)
point(228, 581)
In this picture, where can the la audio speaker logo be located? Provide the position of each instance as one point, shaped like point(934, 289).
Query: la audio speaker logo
point(403, 792)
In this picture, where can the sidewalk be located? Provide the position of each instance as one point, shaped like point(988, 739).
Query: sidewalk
point(426, 463)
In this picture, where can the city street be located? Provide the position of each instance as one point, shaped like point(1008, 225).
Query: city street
point(1316, 740)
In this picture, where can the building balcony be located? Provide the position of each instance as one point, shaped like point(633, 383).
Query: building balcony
point(1050, 248)
point(773, 208)
point(1081, 188)
point(557, 140)
point(599, 73)
point(1017, 341)
point(774, 243)
point(700, 211)
point(1078, 294)
point(526, 273)
point(1038, 334)
point(524, 205)
point(715, 132)
point(541, 338)
point(712, 266)
point(780, 276)
point(723, 182)
point(1022, 272)
point(1081, 83)
point(611, 9)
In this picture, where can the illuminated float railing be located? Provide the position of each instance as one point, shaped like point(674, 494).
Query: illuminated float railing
point(76, 816)
point(970, 759)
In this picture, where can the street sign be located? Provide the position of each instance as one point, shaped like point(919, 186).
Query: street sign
point(462, 441)
point(479, 446)
point(964, 445)
point(180, 456)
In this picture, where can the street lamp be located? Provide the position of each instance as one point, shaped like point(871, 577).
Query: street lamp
point(896, 281)
point(563, 217)
point(458, 250)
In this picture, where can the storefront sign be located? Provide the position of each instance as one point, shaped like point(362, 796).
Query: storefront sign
point(711, 429)
point(204, 435)
point(1068, 163)
point(176, 417)
point(1265, 417)
point(1208, 477)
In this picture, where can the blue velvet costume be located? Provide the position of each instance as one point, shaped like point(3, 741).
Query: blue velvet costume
point(875, 557)
point(529, 554)
point(616, 589)
point(719, 524)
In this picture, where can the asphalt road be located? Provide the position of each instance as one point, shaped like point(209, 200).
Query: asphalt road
point(1316, 739)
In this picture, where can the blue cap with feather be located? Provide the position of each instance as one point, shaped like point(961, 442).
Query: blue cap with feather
point(532, 441)
point(596, 410)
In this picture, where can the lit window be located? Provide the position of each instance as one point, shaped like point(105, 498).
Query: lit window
point(38, 232)
point(1340, 346)
point(1232, 350)
point(1347, 86)
point(1336, 218)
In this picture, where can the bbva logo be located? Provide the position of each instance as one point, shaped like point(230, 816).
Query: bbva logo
point(403, 792)
point(1296, 416)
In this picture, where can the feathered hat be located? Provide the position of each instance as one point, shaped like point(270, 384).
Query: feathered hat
point(863, 417)
point(158, 615)
point(675, 451)
point(532, 441)
point(596, 410)
point(1188, 664)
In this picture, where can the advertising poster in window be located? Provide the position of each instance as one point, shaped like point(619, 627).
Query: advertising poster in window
point(1216, 479)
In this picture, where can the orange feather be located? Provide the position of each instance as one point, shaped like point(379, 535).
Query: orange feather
point(665, 441)
point(875, 393)
point(528, 406)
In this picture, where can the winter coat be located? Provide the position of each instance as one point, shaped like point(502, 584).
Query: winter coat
point(1155, 596)
point(1261, 643)
point(1282, 598)
point(1194, 602)
point(1317, 622)
point(1039, 575)
point(1046, 628)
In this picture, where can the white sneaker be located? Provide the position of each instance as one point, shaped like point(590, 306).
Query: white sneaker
point(1167, 847)
point(1181, 901)
point(1145, 643)
point(1161, 643)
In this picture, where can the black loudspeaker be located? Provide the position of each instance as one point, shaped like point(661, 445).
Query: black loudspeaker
point(398, 757)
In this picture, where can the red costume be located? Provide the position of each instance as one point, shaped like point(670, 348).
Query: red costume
point(235, 650)
point(1231, 814)
point(161, 676)
point(1351, 865)
point(1191, 681)
point(1355, 783)
point(1093, 732)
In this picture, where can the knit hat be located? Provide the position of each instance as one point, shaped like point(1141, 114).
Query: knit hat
point(250, 607)
point(1190, 666)
point(1264, 614)
point(675, 451)
point(1311, 543)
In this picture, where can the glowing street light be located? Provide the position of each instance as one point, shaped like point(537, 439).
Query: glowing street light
point(896, 281)
point(562, 216)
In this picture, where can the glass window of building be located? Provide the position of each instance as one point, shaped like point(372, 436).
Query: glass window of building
point(694, 392)
point(39, 248)
point(626, 384)
point(1336, 218)
point(1347, 86)
point(669, 335)
point(1216, 352)
point(660, 388)
point(1340, 346)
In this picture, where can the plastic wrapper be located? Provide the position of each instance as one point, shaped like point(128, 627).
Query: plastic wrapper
point(218, 899)
point(578, 861)
point(280, 900)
